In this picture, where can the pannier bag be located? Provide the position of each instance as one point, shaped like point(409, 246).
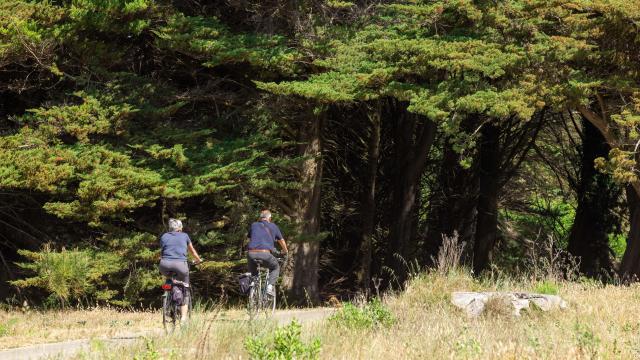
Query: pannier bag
point(177, 294)
point(244, 280)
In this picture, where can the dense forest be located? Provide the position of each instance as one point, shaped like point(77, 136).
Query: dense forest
point(373, 130)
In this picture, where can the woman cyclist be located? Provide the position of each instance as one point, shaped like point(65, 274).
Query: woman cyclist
point(174, 245)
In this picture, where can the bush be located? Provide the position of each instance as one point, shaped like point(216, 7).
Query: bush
point(286, 344)
point(368, 316)
point(70, 275)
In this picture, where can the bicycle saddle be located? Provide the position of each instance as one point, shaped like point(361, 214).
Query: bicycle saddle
point(258, 262)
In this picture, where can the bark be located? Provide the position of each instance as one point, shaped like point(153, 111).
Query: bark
point(487, 221)
point(630, 266)
point(597, 194)
point(411, 157)
point(368, 206)
point(301, 278)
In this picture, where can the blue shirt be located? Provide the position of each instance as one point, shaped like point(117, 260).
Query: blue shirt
point(263, 235)
point(174, 245)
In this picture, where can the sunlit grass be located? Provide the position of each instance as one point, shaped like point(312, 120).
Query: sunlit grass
point(20, 328)
point(600, 322)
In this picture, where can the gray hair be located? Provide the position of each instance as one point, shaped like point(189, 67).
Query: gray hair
point(265, 214)
point(175, 225)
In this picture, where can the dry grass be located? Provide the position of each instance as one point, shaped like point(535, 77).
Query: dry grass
point(601, 323)
point(33, 327)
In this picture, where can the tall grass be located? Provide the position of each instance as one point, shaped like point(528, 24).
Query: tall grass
point(599, 323)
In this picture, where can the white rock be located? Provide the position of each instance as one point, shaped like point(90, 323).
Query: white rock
point(473, 303)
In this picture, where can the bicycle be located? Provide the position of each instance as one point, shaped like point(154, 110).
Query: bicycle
point(259, 299)
point(171, 314)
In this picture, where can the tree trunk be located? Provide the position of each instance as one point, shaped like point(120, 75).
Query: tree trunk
point(453, 204)
point(411, 157)
point(487, 221)
point(597, 194)
point(630, 266)
point(301, 279)
point(368, 206)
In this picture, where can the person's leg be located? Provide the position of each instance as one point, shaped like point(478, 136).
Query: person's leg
point(182, 274)
point(182, 271)
point(253, 269)
point(274, 268)
point(165, 268)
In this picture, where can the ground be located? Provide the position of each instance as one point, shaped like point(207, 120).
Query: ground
point(600, 323)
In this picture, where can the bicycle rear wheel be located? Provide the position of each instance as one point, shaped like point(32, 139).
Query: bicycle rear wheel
point(253, 305)
point(168, 313)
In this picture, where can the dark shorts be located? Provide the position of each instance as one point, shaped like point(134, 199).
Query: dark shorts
point(178, 267)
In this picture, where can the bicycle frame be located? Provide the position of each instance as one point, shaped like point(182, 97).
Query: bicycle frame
point(259, 300)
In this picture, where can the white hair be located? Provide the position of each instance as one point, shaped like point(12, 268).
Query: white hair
point(175, 225)
point(265, 214)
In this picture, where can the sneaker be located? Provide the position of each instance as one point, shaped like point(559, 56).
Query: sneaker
point(270, 290)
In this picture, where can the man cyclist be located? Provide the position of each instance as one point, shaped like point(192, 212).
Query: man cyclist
point(262, 236)
point(174, 245)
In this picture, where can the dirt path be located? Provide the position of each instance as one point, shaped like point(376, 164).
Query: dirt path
point(66, 349)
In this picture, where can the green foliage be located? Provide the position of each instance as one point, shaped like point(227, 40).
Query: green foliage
point(208, 39)
point(286, 343)
point(120, 113)
point(370, 315)
point(547, 216)
point(618, 244)
point(7, 327)
point(547, 287)
point(70, 275)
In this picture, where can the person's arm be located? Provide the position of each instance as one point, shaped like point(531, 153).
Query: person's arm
point(193, 252)
point(283, 246)
point(280, 240)
point(245, 246)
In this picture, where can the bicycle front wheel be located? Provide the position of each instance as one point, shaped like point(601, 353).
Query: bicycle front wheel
point(269, 303)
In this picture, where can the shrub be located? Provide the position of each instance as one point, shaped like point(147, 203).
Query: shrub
point(70, 275)
point(286, 344)
point(370, 315)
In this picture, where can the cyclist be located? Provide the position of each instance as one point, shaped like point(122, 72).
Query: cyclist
point(262, 237)
point(174, 245)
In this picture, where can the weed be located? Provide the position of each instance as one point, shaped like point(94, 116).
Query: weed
point(367, 316)
point(97, 345)
point(286, 344)
point(586, 340)
point(468, 347)
point(6, 328)
point(547, 287)
point(150, 352)
point(450, 254)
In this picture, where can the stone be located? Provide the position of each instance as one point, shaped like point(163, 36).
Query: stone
point(473, 303)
